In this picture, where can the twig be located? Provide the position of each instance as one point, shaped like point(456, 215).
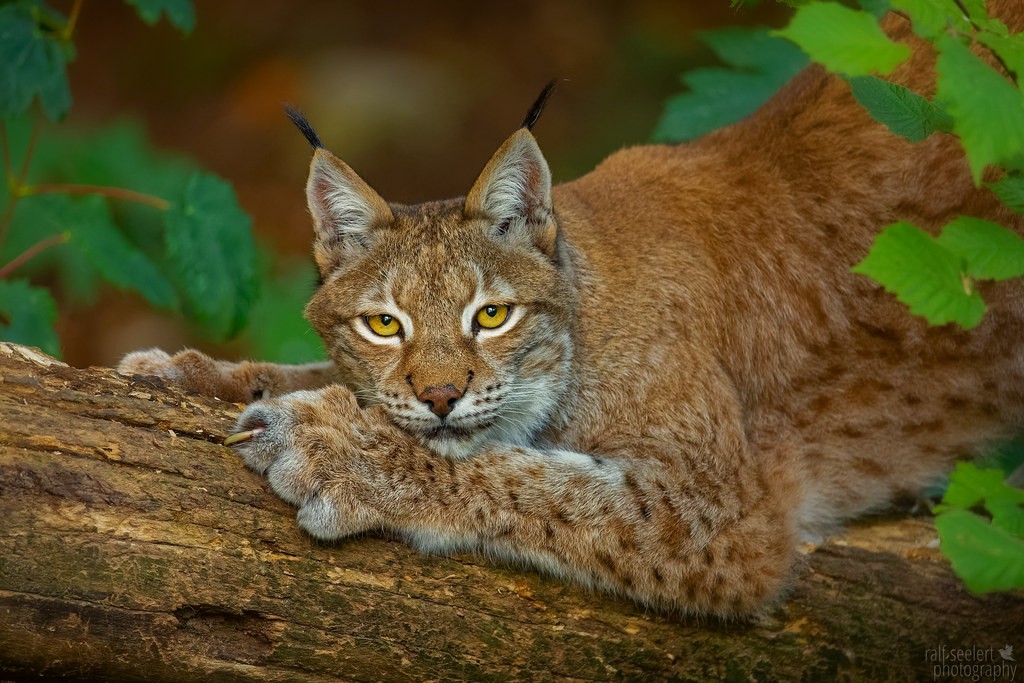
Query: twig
point(110, 192)
point(8, 174)
point(69, 28)
point(27, 161)
point(15, 185)
point(24, 256)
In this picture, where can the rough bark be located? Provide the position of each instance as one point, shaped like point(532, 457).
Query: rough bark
point(133, 545)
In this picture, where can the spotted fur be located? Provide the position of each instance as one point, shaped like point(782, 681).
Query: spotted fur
point(693, 378)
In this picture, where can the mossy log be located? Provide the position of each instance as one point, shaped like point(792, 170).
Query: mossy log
point(133, 545)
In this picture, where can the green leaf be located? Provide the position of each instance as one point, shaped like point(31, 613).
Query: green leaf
point(988, 558)
point(970, 486)
point(1009, 47)
point(978, 13)
point(95, 236)
point(904, 112)
point(37, 218)
point(1010, 191)
point(96, 247)
point(27, 315)
point(210, 247)
point(31, 64)
point(719, 96)
point(877, 8)
point(976, 10)
point(754, 48)
point(990, 251)
point(121, 155)
point(987, 110)
point(1007, 515)
point(180, 13)
point(117, 155)
point(922, 274)
point(931, 18)
point(844, 40)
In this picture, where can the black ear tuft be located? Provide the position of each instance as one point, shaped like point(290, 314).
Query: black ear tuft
point(538, 105)
point(302, 123)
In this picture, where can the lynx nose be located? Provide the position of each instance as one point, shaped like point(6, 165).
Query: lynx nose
point(440, 400)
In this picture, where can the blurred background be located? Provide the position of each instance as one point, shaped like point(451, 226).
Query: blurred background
point(414, 96)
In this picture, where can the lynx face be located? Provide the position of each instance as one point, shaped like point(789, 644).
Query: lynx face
point(455, 317)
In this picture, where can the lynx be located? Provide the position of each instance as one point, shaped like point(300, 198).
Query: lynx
point(653, 380)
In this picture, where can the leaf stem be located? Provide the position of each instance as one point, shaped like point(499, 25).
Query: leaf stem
point(15, 184)
point(27, 161)
point(8, 173)
point(24, 256)
point(109, 192)
point(69, 28)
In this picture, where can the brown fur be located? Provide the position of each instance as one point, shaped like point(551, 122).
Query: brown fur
point(713, 380)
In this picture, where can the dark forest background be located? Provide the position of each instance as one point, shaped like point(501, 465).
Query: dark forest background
point(414, 96)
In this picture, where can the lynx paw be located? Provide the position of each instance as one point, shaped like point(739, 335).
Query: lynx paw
point(320, 452)
point(195, 371)
point(149, 362)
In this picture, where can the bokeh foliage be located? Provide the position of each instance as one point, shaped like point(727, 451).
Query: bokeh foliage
point(85, 209)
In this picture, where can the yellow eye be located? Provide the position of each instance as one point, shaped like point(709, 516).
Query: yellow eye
point(492, 315)
point(383, 325)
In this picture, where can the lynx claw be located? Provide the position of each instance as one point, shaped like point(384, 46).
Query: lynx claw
point(263, 434)
point(239, 437)
point(307, 444)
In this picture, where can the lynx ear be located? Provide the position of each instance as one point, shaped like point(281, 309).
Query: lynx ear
point(345, 210)
point(514, 193)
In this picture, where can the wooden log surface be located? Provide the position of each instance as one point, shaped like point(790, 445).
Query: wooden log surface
point(134, 546)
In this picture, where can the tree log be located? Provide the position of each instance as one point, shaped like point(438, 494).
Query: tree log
point(134, 545)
